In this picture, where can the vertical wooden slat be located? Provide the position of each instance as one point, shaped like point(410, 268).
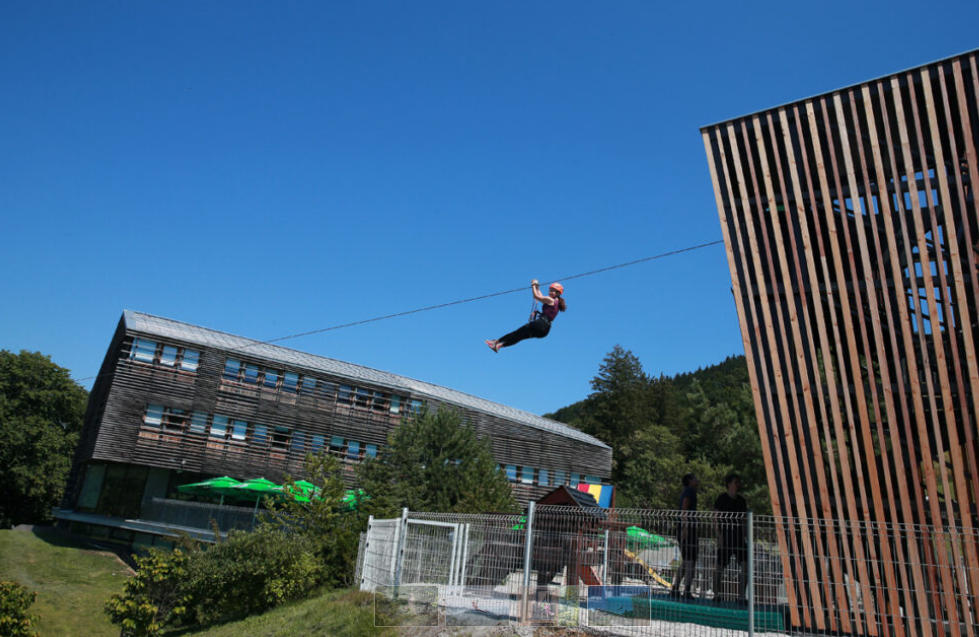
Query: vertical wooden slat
point(778, 384)
point(810, 258)
point(903, 493)
point(782, 275)
point(952, 323)
point(849, 358)
point(757, 373)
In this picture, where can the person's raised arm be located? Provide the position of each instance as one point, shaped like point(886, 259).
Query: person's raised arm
point(540, 298)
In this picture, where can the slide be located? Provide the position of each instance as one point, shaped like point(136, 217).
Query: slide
point(649, 569)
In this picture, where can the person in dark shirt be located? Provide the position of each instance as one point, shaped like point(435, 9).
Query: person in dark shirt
point(540, 324)
point(687, 537)
point(731, 541)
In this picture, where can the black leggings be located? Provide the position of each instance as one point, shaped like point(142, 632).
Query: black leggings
point(535, 329)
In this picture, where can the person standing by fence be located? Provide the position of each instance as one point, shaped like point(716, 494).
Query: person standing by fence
point(688, 537)
point(731, 540)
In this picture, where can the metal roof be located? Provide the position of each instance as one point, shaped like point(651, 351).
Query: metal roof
point(169, 328)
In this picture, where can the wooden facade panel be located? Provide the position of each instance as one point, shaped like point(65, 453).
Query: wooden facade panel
point(293, 421)
point(852, 233)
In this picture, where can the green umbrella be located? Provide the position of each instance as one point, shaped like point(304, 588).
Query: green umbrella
point(303, 489)
point(639, 538)
point(257, 488)
point(209, 487)
point(351, 498)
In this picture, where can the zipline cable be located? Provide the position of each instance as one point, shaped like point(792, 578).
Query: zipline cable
point(475, 298)
point(488, 296)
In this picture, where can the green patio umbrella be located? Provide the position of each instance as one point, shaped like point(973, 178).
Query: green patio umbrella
point(256, 488)
point(352, 497)
point(303, 490)
point(639, 538)
point(209, 487)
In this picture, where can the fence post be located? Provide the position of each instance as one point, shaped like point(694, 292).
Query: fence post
point(527, 554)
point(751, 574)
point(401, 546)
point(528, 545)
point(367, 547)
point(605, 560)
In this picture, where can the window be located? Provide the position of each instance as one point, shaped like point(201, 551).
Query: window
point(336, 445)
point(528, 475)
point(280, 438)
point(174, 419)
point(363, 398)
point(395, 404)
point(592, 480)
point(326, 390)
point(190, 360)
point(353, 450)
point(239, 430)
point(290, 382)
point(168, 357)
point(575, 479)
point(371, 451)
point(231, 369)
point(153, 416)
point(344, 393)
point(380, 402)
point(542, 477)
point(198, 422)
point(219, 426)
point(298, 442)
point(271, 378)
point(559, 478)
point(144, 350)
point(260, 435)
point(251, 373)
point(416, 406)
point(317, 443)
point(309, 385)
point(511, 473)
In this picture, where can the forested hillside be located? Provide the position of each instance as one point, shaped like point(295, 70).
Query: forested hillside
point(661, 428)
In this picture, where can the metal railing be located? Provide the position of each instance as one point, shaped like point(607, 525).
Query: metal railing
point(630, 571)
point(198, 515)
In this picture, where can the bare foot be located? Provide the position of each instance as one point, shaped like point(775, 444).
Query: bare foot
point(493, 345)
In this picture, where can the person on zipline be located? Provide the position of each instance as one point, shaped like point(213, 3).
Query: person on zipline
point(540, 323)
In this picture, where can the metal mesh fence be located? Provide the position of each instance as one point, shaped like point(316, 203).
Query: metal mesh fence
point(198, 515)
point(643, 572)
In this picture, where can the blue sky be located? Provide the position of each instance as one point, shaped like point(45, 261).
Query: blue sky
point(271, 168)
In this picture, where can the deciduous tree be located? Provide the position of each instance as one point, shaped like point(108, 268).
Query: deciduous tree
point(41, 413)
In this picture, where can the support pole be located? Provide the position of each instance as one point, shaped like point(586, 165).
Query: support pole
point(528, 552)
point(401, 547)
point(751, 574)
point(367, 548)
point(605, 561)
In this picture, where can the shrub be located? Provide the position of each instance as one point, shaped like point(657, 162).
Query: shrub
point(153, 597)
point(332, 531)
point(14, 618)
point(249, 573)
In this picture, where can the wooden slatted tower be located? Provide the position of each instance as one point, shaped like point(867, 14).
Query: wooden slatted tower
point(852, 236)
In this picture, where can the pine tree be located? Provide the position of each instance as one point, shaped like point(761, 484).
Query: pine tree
point(435, 462)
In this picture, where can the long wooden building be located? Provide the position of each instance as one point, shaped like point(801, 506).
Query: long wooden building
point(175, 402)
point(852, 236)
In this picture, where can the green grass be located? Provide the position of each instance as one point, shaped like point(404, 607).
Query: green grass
point(342, 613)
point(72, 581)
